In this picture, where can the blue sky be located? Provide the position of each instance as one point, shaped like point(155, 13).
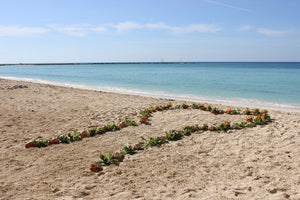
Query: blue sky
point(34, 31)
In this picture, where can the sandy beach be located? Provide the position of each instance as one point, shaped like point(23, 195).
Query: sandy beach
point(253, 163)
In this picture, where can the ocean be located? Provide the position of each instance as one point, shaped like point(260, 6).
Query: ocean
point(249, 83)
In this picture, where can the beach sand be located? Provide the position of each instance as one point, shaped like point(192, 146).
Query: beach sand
point(252, 163)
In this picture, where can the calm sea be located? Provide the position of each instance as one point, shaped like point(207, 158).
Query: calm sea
point(259, 84)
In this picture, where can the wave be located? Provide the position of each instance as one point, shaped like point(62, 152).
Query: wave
point(162, 94)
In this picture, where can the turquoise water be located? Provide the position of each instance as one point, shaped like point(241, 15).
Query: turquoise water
point(272, 84)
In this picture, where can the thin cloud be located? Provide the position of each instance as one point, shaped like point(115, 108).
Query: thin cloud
point(245, 28)
point(99, 29)
point(73, 30)
point(80, 30)
point(163, 26)
point(227, 5)
point(21, 31)
point(269, 32)
point(158, 26)
point(126, 26)
point(201, 28)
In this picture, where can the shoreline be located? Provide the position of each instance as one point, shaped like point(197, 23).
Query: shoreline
point(190, 98)
point(251, 163)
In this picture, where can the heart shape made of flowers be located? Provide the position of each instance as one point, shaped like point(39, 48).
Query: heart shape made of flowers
point(253, 118)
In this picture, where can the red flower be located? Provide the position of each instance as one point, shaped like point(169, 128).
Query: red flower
point(228, 111)
point(96, 167)
point(169, 105)
point(84, 134)
point(184, 106)
point(105, 129)
point(123, 125)
point(258, 117)
point(249, 119)
point(30, 144)
point(54, 141)
point(193, 128)
point(144, 120)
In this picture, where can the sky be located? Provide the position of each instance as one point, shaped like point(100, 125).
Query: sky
point(52, 31)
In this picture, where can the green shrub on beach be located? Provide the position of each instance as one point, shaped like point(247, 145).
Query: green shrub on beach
point(41, 143)
point(100, 131)
point(236, 112)
point(127, 149)
point(216, 111)
point(105, 161)
point(177, 106)
point(75, 136)
point(69, 138)
point(222, 127)
point(92, 132)
point(158, 141)
point(130, 123)
point(173, 135)
point(113, 127)
point(240, 126)
point(186, 130)
point(63, 139)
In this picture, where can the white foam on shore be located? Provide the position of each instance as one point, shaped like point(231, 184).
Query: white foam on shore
point(160, 94)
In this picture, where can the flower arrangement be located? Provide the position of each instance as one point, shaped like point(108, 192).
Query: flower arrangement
point(255, 112)
point(208, 108)
point(158, 141)
point(216, 111)
point(232, 112)
point(130, 123)
point(255, 117)
point(174, 135)
point(247, 111)
point(169, 105)
point(184, 106)
point(261, 119)
point(76, 136)
point(228, 111)
point(203, 128)
point(201, 106)
point(146, 114)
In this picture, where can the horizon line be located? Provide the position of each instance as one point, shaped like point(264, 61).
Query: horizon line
point(158, 62)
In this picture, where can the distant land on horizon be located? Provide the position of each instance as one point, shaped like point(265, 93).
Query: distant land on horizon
point(175, 62)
